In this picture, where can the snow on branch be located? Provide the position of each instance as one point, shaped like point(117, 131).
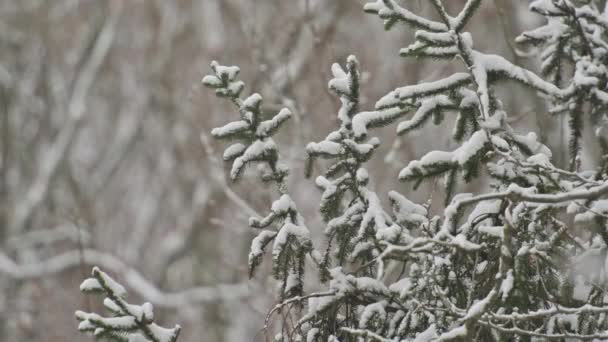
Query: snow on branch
point(128, 322)
point(254, 145)
point(502, 264)
point(254, 134)
point(392, 12)
point(574, 35)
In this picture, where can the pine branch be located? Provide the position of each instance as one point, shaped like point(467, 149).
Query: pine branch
point(128, 322)
point(255, 145)
point(490, 266)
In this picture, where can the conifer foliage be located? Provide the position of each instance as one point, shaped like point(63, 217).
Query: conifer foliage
point(129, 323)
point(291, 241)
point(574, 36)
point(507, 264)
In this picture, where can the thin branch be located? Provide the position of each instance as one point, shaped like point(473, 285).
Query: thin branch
point(132, 278)
point(49, 165)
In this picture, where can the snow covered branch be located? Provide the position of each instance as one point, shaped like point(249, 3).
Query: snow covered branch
point(291, 238)
point(510, 262)
point(129, 322)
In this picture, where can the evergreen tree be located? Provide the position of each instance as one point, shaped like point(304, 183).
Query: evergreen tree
point(507, 264)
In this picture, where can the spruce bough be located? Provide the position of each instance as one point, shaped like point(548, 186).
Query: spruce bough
point(501, 265)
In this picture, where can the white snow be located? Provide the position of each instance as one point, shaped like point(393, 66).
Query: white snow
point(236, 87)
point(598, 208)
point(256, 151)
point(365, 120)
point(374, 214)
point(459, 157)
point(442, 38)
point(459, 332)
point(253, 101)
point(461, 242)
point(540, 159)
point(361, 150)
point(289, 229)
point(479, 307)
point(234, 127)
point(311, 335)
point(164, 334)
point(362, 175)
point(259, 241)
point(283, 204)
point(229, 72)
point(496, 63)
point(495, 231)
point(212, 81)
point(368, 285)
point(376, 309)
point(401, 287)
point(90, 284)
point(380, 7)
point(234, 151)
point(265, 128)
point(406, 210)
point(118, 323)
point(325, 147)
point(507, 285)
point(341, 82)
point(429, 335)
point(399, 95)
point(109, 283)
point(427, 106)
point(111, 305)
point(470, 148)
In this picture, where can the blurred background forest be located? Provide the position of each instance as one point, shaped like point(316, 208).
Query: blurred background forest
point(102, 161)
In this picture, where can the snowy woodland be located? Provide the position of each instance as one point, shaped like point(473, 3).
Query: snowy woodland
point(306, 170)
